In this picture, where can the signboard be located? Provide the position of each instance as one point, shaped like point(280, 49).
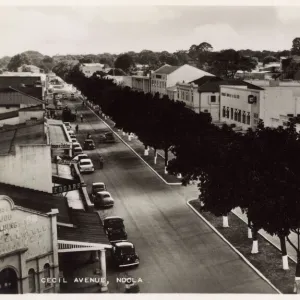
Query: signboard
point(20, 229)
point(66, 188)
point(61, 146)
point(251, 99)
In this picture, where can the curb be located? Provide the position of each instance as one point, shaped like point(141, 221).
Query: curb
point(232, 247)
point(168, 183)
point(263, 236)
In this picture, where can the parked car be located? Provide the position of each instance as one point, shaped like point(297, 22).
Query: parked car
point(124, 255)
point(103, 200)
point(79, 157)
point(114, 229)
point(72, 136)
point(76, 144)
point(97, 187)
point(70, 131)
point(89, 145)
point(77, 150)
point(68, 125)
point(107, 137)
point(73, 140)
point(86, 165)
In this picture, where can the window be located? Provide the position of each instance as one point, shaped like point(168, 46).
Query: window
point(205, 110)
point(187, 96)
point(158, 76)
point(7, 107)
point(178, 96)
point(31, 281)
point(248, 118)
point(228, 95)
point(223, 94)
point(213, 99)
point(192, 97)
point(231, 113)
point(227, 113)
point(47, 274)
point(235, 115)
point(244, 117)
point(239, 115)
point(223, 112)
point(238, 96)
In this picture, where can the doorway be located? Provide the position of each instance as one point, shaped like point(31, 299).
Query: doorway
point(8, 281)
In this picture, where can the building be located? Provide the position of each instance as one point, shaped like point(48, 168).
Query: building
point(17, 107)
point(167, 76)
point(275, 103)
point(89, 69)
point(203, 94)
point(141, 83)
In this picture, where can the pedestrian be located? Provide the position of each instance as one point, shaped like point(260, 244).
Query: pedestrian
point(76, 128)
point(81, 117)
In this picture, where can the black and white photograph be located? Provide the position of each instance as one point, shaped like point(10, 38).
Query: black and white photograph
point(149, 148)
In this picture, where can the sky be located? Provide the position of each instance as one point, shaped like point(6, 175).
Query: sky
point(74, 29)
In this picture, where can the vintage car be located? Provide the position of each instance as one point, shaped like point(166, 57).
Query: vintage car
point(86, 166)
point(114, 229)
point(107, 137)
point(103, 200)
point(89, 145)
point(77, 150)
point(124, 255)
point(79, 157)
point(97, 187)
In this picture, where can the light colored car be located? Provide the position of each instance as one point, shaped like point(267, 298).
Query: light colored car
point(79, 157)
point(86, 165)
point(103, 199)
point(77, 151)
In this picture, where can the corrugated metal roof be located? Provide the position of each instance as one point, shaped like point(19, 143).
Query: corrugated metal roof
point(36, 200)
point(89, 228)
point(16, 81)
point(11, 96)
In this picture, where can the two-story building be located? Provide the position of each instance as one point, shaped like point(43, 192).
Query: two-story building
point(141, 83)
point(167, 76)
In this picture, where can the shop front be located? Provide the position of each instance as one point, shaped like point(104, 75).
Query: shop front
point(28, 249)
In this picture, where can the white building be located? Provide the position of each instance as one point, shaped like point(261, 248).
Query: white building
point(141, 83)
point(244, 106)
point(89, 69)
point(167, 76)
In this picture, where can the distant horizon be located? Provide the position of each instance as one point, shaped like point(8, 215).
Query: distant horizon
point(71, 30)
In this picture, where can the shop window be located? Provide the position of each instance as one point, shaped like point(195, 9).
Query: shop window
point(231, 113)
point(31, 281)
point(227, 113)
point(47, 274)
point(239, 115)
point(213, 99)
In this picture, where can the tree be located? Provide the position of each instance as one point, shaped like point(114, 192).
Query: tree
point(296, 46)
point(17, 61)
point(269, 59)
point(4, 61)
point(182, 57)
point(124, 62)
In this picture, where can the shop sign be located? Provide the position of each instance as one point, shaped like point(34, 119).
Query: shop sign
point(61, 146)
point(66, 188)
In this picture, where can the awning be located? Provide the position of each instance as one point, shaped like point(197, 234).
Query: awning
point(75, 246)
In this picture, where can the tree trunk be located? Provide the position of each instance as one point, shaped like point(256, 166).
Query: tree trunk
point(166, 159)
point(255, 241)
point(146, 151)
point(225, 221)
point(285, 260)
point(249, 230)
point(155, 155)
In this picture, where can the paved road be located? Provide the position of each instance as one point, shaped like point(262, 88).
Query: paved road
point(179, 253)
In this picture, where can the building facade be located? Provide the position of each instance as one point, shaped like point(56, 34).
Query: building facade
point(141, 83)
point(167, 76)
point(28, 249)
point(89, 69)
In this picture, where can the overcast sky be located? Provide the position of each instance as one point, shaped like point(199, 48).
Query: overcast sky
point(82, 30)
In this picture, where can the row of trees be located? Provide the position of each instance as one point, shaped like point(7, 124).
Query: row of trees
point(258, 171)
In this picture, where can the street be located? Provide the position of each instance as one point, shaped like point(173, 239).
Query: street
point(178, 252)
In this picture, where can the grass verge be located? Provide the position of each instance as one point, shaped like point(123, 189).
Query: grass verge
point(268, 261)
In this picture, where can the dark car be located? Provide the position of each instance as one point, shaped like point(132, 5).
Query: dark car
point(89, 145)
point(114, 229)
point(97, 187)
point(107, 137)
point(124, 255)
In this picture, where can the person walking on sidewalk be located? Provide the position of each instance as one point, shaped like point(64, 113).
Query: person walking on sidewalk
point(81, 117)
point(76, 128)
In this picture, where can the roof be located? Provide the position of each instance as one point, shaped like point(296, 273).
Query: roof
point(167, 69)
point(93, 65)
point(9, 115)
point(88, 228)
point(36, 92)
point(33, 108)
point(37, 200)
point(57, 133)
point(17, 81)
point(212, 84)
point(114, 217)
point(124, 244)
point(204, 79)
point(11, 96)
point(21, 134)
